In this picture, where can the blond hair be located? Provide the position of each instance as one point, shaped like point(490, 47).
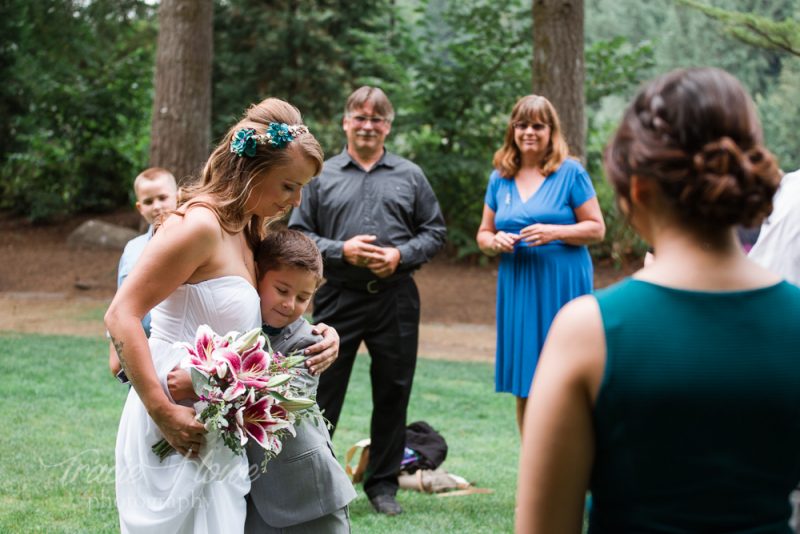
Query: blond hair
point(532, 108)
point(151, 175)
point(228, 179)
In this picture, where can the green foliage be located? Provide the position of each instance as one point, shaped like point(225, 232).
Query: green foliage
point(759, 31)
point(77, 84)
point(620, 241)
point(781, 117)
point(776, 30)
point(472, 65)
point(312, 53)
point(77, 81)
point(682, 38)
point(677, 37)
point(57, 459)
point(614, 69)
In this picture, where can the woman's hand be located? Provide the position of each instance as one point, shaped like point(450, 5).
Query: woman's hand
point(504, 242)
point(491, 241)
point(540, 234)
point(325, 352)
point(180, 428)
point(179, 382)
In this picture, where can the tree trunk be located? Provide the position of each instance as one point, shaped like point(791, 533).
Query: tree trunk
point(558, 65)
point(181, 127)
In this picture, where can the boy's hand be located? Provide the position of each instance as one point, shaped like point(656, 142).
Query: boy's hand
point(179, 382)
point(325, 352)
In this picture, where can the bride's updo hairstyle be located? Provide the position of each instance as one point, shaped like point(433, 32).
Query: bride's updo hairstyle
point(228, 177)
point(696, 134)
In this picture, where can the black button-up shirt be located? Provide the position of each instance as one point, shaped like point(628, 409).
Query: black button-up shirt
point(392, 201)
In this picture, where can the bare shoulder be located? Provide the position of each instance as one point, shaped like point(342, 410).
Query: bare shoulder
point(576, 342)
point(196, 222)
point(580, 319)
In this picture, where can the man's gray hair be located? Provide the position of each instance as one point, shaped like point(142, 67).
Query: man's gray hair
point(373, 95)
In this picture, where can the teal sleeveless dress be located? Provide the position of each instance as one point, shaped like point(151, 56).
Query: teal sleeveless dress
point(697, 421)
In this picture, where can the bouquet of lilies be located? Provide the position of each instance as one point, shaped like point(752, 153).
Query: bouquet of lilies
point(245, 391)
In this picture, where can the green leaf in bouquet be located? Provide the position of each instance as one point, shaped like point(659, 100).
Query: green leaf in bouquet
point(278, 380)
point(246, 340)
point(293, 361)
point(279, 397)
point(199, 381)
point(298, 403)
point(268, 345)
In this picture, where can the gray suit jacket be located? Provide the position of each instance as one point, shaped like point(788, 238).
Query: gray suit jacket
point(305, 481)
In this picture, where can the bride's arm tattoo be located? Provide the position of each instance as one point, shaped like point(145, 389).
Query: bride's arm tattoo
point(118, 347)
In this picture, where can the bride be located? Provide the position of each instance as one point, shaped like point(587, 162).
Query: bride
point(199, 269)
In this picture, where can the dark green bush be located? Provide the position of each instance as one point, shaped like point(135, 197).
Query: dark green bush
point(78, 76)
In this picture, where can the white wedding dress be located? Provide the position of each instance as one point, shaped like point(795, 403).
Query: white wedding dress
point(198, 496)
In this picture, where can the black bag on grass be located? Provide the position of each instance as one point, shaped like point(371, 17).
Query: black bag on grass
point(429, 447)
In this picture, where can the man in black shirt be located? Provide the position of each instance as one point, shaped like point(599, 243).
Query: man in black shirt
point(375, 220)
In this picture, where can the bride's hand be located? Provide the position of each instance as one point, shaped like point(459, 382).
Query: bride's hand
point(180, 428)
point(179, 382)
point(325, 352)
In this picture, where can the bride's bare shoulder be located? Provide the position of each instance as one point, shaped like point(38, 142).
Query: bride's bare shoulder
point(197, 219)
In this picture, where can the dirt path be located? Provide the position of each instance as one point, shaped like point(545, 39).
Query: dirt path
point(48, 287)
point(58, 314)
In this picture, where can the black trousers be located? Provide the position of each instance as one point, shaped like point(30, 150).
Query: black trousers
point(388, 323)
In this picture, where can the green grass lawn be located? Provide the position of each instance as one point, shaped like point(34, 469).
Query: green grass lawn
point(60, 408)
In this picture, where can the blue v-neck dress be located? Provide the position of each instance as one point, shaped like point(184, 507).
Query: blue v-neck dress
point(533, 283)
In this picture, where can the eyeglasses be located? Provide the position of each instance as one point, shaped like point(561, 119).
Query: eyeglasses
point(361, 119)
point(522, 126)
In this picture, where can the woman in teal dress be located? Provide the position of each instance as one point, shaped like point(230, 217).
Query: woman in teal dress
point(540, 213)
point(674, 396)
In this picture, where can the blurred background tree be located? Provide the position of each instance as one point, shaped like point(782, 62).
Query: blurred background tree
point(180, 130)
point(558, 64)
point(78, 84)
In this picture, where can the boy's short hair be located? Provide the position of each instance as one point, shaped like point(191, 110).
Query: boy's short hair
point(288, 248)
point(154, 173)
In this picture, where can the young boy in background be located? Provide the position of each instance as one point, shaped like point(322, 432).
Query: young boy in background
point(156, 195)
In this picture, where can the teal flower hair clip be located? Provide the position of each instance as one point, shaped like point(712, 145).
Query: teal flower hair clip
point(279, 134)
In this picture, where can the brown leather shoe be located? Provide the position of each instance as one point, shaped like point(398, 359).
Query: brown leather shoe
point(386, 504)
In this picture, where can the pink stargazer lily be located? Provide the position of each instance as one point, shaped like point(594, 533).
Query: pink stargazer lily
point(233, 391)
point(250, 368)
point(245, 390)
point(204, 345)
point(254, 370)
point(227, 360)
point(260, 424)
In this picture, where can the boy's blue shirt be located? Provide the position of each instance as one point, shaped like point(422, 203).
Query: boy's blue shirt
point(133, 250)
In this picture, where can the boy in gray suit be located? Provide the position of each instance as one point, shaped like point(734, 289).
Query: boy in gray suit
point(304, 490)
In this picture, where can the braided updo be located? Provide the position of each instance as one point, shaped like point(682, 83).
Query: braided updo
point(695, 132)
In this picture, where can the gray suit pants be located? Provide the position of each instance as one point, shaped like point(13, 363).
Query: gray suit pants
point(336, 523)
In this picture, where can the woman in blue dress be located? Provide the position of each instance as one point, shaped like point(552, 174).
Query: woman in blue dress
point(540, 213)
